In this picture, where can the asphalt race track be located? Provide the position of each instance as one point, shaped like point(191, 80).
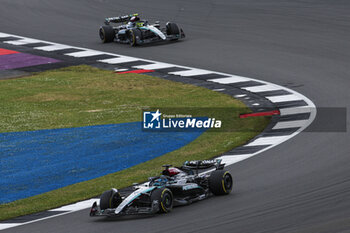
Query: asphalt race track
point(302, 185)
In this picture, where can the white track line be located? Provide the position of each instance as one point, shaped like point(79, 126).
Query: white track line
point(120, 59)
point(23, 41)
point(229, 80)
point(240, 96)
point(295, 110)
point(192, 72)
point(157, 65)
point(231, 159)
point(120, 70)
point(220, 89)
point(65, 210)
point(283, 98)
point(3, 35)
point(86, 53)
point(290, 124)
point(36, 220)
point(53, 47)
point(262, 88)
point(77, 206)
point(4, 226)
point(263, 141)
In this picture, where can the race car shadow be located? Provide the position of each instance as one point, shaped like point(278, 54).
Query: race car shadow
point(160, 43)
point(125, 218)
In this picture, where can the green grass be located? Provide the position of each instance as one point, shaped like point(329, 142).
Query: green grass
point(83, 95)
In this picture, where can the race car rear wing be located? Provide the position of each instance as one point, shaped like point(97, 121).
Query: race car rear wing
point(204, 164)
point(119, 19)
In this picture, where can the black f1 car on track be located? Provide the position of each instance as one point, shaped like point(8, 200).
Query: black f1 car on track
point(194, 181)
point(134, 31)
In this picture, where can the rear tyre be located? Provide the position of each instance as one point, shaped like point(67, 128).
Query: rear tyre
point(165, 199)
point(134, 35)
point(110, 199)
point(107, 34)
point(220, 182)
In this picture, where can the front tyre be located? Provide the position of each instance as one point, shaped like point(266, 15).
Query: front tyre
point(134, 35)
point(110, 199)
point(165, 199)
point(107, 34)
point(220, 182)
point(172, 29)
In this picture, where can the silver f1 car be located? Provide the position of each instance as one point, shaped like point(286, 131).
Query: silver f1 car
point(194, 181)
point(134, 31)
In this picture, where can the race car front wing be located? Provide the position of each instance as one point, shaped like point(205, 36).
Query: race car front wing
point(95, 210)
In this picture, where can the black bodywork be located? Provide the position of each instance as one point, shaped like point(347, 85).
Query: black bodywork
point(194, 181)
point(126, 30)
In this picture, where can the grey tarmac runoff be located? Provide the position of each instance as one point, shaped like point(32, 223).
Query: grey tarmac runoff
point(301, 185)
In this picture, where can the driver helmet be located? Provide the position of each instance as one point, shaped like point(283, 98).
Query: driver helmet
point(134, 18)
point(173, 171)
point(160, 181)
